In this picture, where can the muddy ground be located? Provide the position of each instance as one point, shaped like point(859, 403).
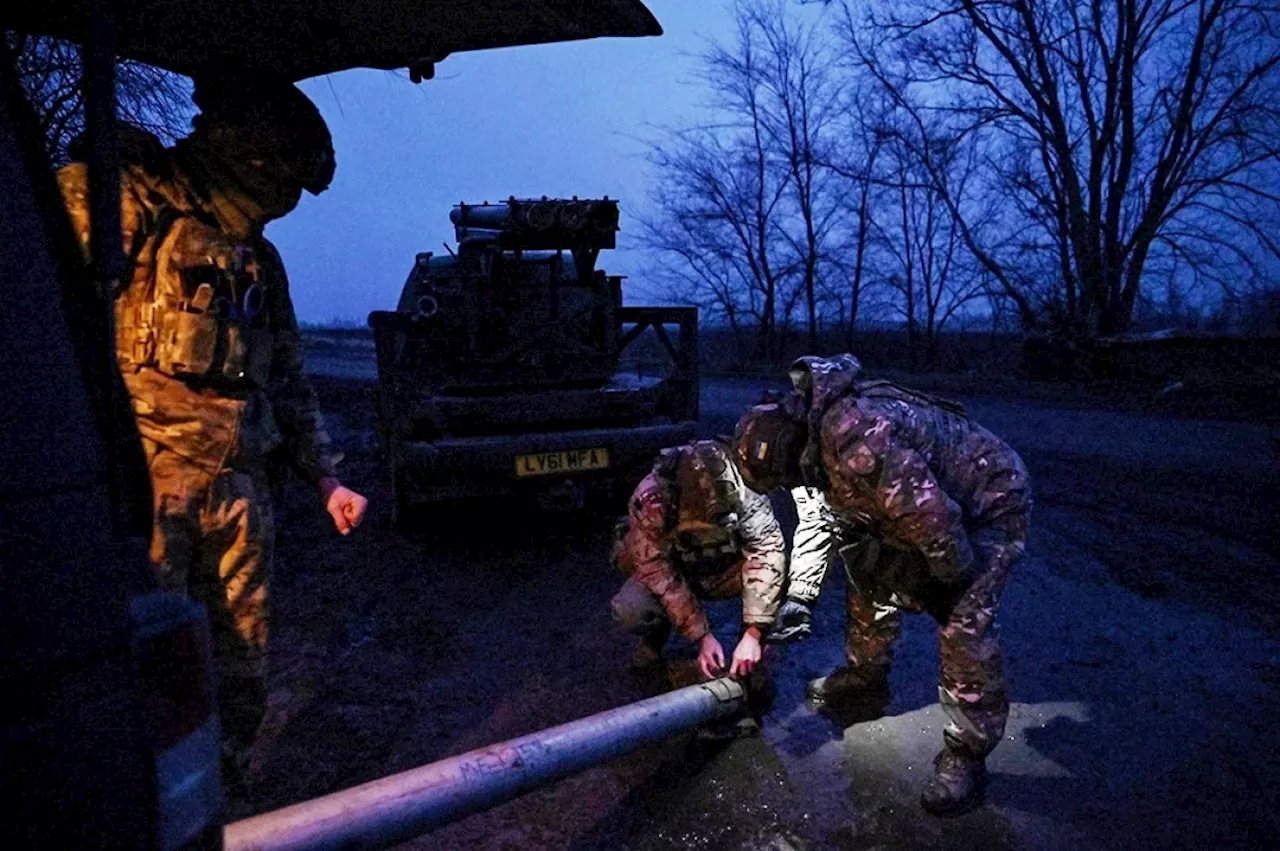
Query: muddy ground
point(1142, 639)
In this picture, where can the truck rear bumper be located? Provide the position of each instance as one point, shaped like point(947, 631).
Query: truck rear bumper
point(501, 463)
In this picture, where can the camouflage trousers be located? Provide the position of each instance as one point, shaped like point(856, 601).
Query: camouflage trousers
point(972, 687)
point(212, 541)
point(639, 611)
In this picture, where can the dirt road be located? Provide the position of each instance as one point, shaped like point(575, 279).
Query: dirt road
point(1141, 636)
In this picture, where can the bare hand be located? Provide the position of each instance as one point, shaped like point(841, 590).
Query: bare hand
point(344, 505)
point(747, 654)
point(710, 657)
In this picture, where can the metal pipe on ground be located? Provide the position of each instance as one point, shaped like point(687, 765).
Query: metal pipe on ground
point(394, 809)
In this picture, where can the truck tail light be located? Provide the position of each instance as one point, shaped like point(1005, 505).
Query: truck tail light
point(173, 668)
point(173, 662)
point(176, 692)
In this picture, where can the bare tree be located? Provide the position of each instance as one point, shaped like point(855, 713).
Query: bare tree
point(856, 160)
point(51, 74)
point(860, 207)
point(1122, 137)
point(744, 217)
point(711, 232)
point(924, 259)
point(715, 226)
point(805, 108)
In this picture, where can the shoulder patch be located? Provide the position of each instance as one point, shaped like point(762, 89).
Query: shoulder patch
point(646, 499)
point(648, 506)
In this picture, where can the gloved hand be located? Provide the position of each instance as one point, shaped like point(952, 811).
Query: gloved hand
point(792, 623)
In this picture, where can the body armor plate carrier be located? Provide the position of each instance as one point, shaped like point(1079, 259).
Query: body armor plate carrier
point(202, 315)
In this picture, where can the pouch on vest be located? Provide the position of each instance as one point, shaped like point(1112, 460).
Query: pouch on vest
point(705, 552)
point(209, 306)
point(187, 343)
point(248, 354)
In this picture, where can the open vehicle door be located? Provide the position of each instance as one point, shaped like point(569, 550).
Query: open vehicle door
point(110, 731)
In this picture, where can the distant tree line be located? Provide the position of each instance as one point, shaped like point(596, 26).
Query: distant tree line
point(1052, 166)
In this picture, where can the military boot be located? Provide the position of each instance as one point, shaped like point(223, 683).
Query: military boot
point(853, 694)
point(958, 782)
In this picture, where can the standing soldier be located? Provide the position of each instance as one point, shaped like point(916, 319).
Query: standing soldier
point(932, 511)
point(694, 531)
point(210, 351)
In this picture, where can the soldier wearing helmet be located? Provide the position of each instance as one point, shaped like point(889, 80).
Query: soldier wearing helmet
point(694, 531)
point(929, 511)
point(210, 352)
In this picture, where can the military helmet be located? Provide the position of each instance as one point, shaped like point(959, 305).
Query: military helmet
point(699, 482)
point(269, 123)
point(768, 441)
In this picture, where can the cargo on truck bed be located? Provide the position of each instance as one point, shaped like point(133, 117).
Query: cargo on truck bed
point(509, 364)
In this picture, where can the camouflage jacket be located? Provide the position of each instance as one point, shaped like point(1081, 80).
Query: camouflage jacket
point(650, 552)
point(212, 426)
point(910, 469)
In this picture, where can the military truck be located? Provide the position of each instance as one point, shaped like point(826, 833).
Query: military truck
point(510, 364)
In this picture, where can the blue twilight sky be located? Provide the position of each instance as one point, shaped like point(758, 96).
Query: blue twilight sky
point(558, 120)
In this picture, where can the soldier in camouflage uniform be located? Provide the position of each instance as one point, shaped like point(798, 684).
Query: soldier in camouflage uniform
point(929, 511)
point(210, 351)
point(695, 531)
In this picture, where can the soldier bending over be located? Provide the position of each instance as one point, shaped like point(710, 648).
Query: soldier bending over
point(930, 512)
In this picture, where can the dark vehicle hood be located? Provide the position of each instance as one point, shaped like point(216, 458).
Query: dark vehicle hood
point(304, 38)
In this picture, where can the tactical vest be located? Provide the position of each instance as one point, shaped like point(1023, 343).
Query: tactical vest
point(196, 308)
point(706, 552)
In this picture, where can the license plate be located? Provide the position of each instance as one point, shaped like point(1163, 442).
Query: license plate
point(568, 461)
